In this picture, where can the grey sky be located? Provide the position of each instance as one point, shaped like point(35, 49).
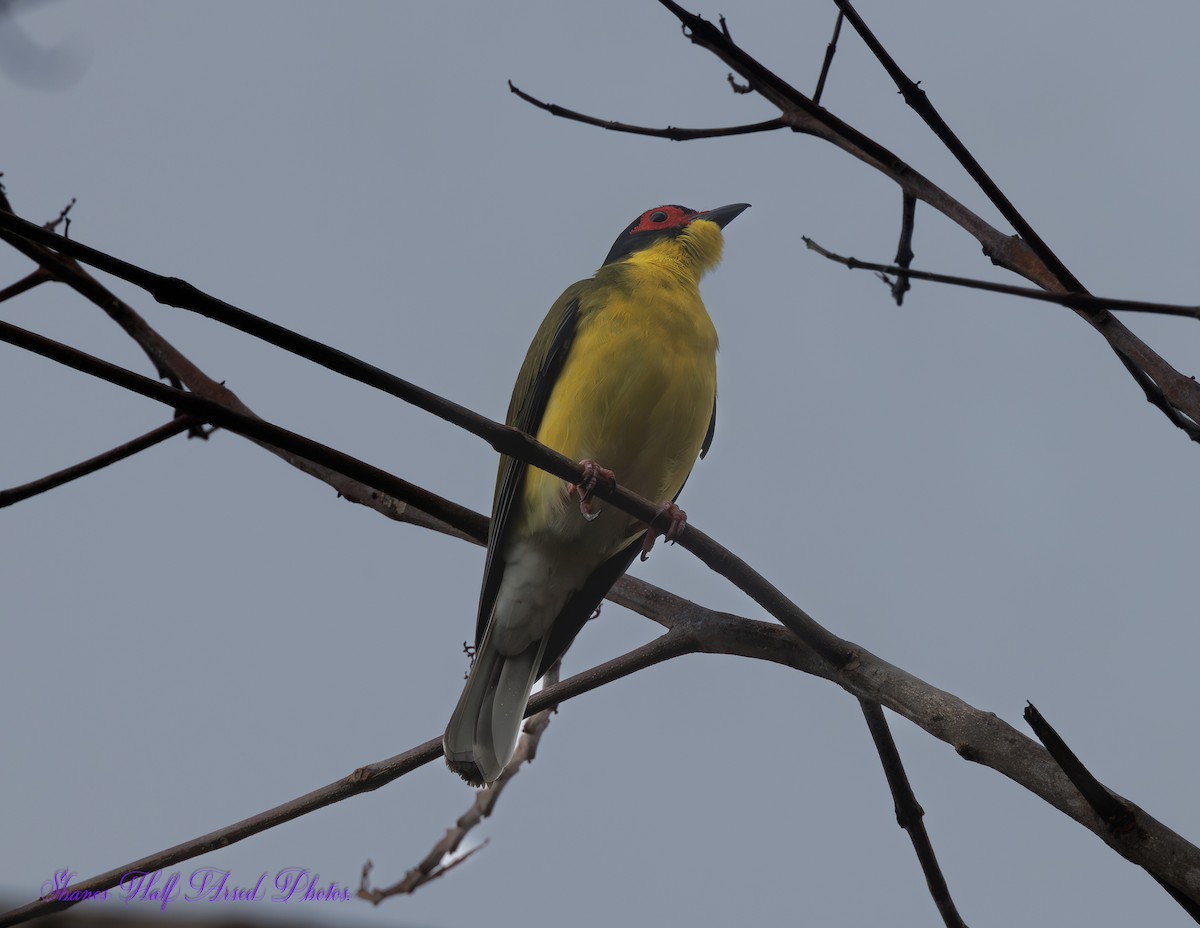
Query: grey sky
point(971, 487)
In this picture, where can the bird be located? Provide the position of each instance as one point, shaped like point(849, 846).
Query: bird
point(621, 376)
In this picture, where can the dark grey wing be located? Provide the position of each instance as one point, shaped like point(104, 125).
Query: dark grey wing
point(712, 430)
point(582, 605)
point(530, 394)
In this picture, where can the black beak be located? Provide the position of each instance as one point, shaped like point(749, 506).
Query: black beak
point(723, 215)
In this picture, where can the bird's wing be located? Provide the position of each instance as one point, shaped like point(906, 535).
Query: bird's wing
point(712, 430)
point(530, 394)
point(583, 603)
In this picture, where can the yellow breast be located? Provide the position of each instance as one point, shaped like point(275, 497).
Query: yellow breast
point(635, 394)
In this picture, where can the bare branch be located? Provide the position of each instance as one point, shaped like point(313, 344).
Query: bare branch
point(904, 252)
point(249, 425)
point(670, 132)
point(91, 465)
point(1070, 300)
point(909, 814)
point(26, 283)
point(915, 97)
point(178, 369)
point(363, 780)
point(737, 88)
point(1163, 386)
point(977, 736)
point(1176, 396)
point(63, 219)
point(1114, 811)
point(444, 856)
point(830, 51)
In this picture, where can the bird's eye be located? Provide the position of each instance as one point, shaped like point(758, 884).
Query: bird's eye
point(658, 216)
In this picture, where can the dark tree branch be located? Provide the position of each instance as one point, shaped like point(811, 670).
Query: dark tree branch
point(670, 132)
point(830, 51)
point(915, 97)
point(1113, 810)
point(1105, 804)
point(169, 364)
point(1163, 386)
point(26, 283)
point(178, 369)
point(904, 252)
point(833, 650)
point(909, 814)
point(1176, 396)
point(1070, 300)
point(250, 426)
point(502, 438)
point(91, 465)
point(981, 737)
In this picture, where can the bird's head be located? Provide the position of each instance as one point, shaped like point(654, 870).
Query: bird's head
point(676, 234)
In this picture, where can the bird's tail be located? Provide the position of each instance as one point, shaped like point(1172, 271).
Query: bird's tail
point(482, 734)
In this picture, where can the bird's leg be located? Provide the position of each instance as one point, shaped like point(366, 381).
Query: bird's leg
point(677, 523)
point(593, 476)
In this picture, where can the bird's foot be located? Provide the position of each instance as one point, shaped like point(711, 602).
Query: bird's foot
point(593, 476)
point(677, 522)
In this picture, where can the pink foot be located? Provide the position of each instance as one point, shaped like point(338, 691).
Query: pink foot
point(675, 527)
point(593, 476)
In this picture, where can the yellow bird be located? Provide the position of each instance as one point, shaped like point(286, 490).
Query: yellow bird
point(622, 377)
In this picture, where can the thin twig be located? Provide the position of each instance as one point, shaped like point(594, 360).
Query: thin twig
point(363, 780)
point(904, 252)
point(739, 88)
point(25, 284)
point(909, 814)
point(1070, 300)
point(444, 856)
point(670, 132)
point(63, 218)
point(91, 465)
point(830, 51)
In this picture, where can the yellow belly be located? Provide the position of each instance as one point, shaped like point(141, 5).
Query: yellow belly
point(635, 395)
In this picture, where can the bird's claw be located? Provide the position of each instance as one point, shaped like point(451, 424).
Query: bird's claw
point(675, 527)
point(593, 476)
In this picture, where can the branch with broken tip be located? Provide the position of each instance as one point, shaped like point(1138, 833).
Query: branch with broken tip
point(445, 855)
point(362, 780)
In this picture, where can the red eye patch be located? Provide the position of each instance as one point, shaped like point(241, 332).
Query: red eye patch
point(663, 217)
